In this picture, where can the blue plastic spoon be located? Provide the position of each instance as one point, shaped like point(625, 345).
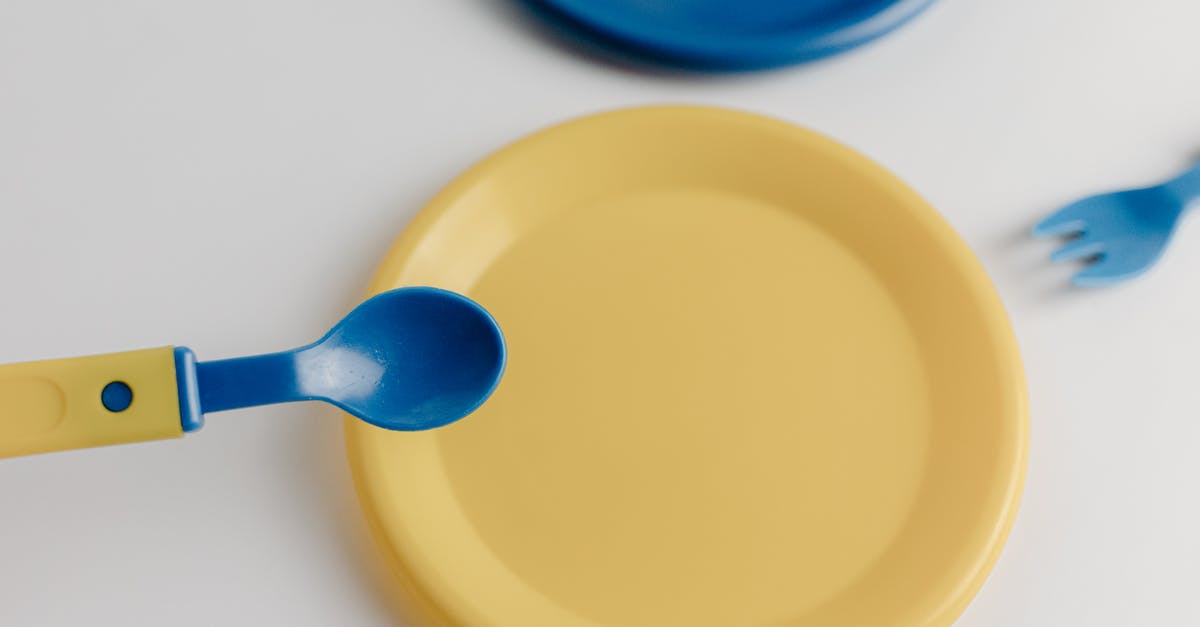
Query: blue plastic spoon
point(409, 359)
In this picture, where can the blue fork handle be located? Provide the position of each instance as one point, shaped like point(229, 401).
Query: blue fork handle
point(1186, 185)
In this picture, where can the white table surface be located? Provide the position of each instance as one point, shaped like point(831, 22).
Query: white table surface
point(226, 173)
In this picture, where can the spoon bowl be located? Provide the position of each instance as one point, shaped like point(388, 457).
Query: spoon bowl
point(409, 359)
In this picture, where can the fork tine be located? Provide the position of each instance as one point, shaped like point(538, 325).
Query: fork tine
point(1107, 271)
point(1080, 248)
point(1069, 219)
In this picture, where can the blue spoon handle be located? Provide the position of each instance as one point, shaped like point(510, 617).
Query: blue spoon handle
point(247, 381)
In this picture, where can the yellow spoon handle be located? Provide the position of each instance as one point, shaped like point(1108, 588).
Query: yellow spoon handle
point(57, 404)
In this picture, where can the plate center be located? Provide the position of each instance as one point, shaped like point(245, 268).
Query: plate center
point(714, 415)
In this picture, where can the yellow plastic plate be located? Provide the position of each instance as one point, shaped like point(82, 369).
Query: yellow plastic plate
point(754, 381)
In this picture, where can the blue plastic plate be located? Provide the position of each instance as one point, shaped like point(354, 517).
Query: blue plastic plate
point(733, 34)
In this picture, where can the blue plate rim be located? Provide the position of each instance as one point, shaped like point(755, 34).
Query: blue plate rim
point(713, 50)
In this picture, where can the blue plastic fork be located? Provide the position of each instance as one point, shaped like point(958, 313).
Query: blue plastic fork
point(1120, 235)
